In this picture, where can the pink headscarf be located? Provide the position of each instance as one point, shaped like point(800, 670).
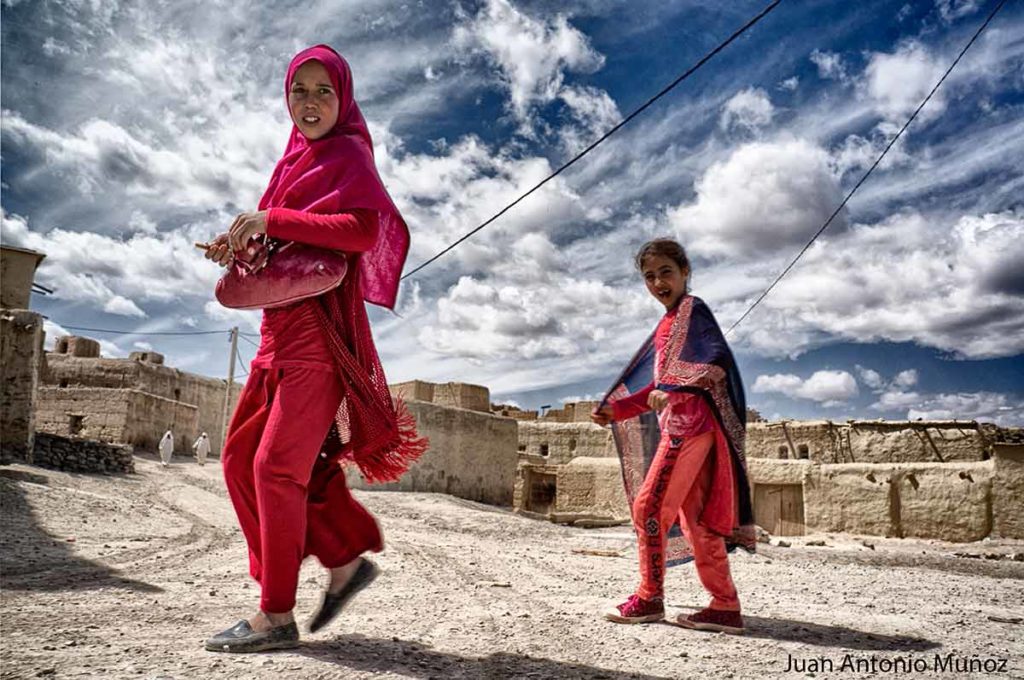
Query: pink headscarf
point(337, 173)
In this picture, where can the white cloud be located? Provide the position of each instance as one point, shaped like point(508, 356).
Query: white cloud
point(830, 388)
point(906, 378)
point(789, 84)
point(765, 197)
point(595, 113)
point(896, 400)
point(897, 82)
point(951, 10)
point(869, 377)
point(748, 110)
point(115, 274)
point(532, 54)
point(987, 406)
point(830, 65)
point(906, 279)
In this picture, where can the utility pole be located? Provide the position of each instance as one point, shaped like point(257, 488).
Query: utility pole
point(230, 385)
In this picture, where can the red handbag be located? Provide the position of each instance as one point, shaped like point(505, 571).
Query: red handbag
point(271, 273)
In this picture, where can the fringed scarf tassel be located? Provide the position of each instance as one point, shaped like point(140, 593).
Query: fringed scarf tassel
point(389, 462)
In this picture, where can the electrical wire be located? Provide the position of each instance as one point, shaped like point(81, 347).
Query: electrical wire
point(686, 74)
point(870, 170)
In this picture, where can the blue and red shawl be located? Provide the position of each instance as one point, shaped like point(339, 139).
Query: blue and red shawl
point(697, 360)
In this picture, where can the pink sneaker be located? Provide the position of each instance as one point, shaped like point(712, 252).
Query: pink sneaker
point(717, 620)
point(637, 610)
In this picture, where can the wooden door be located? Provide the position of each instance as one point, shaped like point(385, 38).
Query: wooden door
point(779, 508)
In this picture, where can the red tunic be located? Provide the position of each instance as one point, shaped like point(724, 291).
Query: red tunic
point(687, 414)
point(292, 335)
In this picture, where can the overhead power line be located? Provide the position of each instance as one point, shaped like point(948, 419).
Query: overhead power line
point(686, 74)
point(115, 331)
point(870, 170)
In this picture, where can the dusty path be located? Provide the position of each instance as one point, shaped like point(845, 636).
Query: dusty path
point(124, 577)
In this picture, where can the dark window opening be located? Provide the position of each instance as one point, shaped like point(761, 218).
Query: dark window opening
point(544, 450)
point(63, 383)
point(803, 451)
point(75, 425)
point(783, 452)
point(177, 395)
point(522, 447)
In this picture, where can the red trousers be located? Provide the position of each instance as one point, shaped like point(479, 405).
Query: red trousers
point(289, 501)
point(677, 485)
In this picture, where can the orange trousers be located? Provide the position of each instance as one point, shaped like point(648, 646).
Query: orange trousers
point(290, 502)
point(676, 485)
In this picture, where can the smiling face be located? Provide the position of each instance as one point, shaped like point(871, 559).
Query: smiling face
point(665, 280)
point(312, 100)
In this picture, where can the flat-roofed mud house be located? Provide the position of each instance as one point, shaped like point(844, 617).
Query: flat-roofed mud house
point(127, 401)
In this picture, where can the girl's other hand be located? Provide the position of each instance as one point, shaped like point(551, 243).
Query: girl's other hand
point(245, 227)
point(218, 250)
point(657, 400)
point(602, 416)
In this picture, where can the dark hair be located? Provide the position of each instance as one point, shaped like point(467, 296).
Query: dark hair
point(666, 247)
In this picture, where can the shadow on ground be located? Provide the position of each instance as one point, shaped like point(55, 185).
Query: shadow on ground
point(786, 630)
point(415, 660)
point(32, 559)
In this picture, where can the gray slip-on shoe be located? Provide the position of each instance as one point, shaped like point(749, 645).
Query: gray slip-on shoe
point(333, 603)
point(241, 638)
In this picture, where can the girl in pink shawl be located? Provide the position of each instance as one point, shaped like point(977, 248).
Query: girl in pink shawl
point(316, 394)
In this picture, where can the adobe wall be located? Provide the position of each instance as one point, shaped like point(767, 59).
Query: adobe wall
point(1008, 490)
point(591, 487)
point(451, 394)
point(116, 416)
point(205, 394)
point(21, 362)
point(472, 455)
point(868, 441)
point(947, 501)
point(565, 441)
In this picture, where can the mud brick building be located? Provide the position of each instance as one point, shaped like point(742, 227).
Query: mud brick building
point(127, 401)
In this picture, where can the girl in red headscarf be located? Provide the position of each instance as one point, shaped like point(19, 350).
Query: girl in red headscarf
point(316, 393)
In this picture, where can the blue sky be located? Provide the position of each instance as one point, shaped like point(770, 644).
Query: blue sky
point(131, 129)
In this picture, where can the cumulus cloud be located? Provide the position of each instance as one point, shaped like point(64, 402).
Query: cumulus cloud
point(116, 274)
point(747, 110)
point(830, 388)
point(789, 84)
point(765, 197)
point(869, 377)
point(905, 279)
point(897, 82)
point(986, 406)
point(531, 54)
point(906, 378)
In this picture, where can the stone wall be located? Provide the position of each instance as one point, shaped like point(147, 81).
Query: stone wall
point(868, 441)
point(472, 455)
point(17, 272)
point(74, 454)
point(21, 363)
point(559, 443)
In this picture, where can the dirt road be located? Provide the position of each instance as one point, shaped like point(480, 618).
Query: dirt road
point(124, 577)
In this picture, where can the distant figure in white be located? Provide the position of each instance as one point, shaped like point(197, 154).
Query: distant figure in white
point(202, 448)
point(166, 448)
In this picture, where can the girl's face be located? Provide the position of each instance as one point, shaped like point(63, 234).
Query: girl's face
point(312, 100)
point(665, 280)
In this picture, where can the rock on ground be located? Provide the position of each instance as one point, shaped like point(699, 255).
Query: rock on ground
point(124, 577)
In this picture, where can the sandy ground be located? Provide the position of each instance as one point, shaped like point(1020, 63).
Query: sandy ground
point(124, 577)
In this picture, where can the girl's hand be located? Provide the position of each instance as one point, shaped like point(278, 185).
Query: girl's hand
point(245, 227)
point(602, 416)
point(657, 400)
point(218, 250)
